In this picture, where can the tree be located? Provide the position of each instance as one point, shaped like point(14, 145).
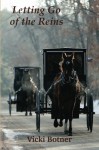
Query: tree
point(22, 44)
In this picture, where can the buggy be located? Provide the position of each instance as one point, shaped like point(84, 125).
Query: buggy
point(18, 95)
point(44, 103)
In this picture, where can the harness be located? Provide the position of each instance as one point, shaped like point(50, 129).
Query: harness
point(27, 85)
point(52, 85)
point(71, 79)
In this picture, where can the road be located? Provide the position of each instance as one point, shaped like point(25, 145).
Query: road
point(18, 132)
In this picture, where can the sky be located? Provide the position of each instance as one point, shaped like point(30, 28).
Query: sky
point(7, 4)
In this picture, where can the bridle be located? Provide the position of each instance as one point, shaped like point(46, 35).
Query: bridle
point(72, 78)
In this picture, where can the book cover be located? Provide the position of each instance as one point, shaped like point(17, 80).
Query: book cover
point(35, 38)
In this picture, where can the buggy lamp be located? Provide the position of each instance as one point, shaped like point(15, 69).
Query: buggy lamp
point(12, 97)
point(89, 59)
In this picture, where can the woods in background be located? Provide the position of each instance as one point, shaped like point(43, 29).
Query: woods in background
point(22, 45)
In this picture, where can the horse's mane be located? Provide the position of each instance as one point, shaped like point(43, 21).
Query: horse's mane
point(28, 83)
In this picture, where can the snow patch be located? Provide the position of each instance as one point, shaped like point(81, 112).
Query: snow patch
point(10, 134)
point(17, 148)
point(96, 106)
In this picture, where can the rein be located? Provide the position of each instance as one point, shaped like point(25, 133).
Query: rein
point(31, 81)
point(18, 90)
point(53, 84)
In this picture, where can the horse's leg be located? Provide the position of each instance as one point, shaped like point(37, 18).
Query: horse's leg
point(55, 121)
point(30, 105)
point(61, 116)
point(30, 111)
point(70, 126)
point(26, 113)
point(71, 118)
point(26, 102)
point(61, 122)
point(65, 126)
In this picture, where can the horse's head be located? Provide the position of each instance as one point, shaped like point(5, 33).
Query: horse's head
point(67, 64)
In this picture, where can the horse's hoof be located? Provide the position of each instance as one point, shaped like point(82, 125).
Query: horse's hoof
point(25, 114)
point(55, 124)
point(69, 134)
point(60, 124)
point(30, 114)
point(66, 132)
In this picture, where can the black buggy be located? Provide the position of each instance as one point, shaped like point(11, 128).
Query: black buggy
point(51, 60)
point(18, 95)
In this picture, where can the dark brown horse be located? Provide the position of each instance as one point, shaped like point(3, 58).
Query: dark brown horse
point(65, 89)
point(28, 88)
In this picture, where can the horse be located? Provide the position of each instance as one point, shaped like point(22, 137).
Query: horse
point(28, 88)
point(66, 87)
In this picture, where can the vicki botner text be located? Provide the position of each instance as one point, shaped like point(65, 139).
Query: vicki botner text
point(48, 139)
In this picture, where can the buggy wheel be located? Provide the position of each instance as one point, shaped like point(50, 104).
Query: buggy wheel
point(87, 119)
point(38, 122)
point(90, 112)
point(38, 111)
point(9, 102)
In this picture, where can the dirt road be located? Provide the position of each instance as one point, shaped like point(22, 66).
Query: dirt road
point(18, 132)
